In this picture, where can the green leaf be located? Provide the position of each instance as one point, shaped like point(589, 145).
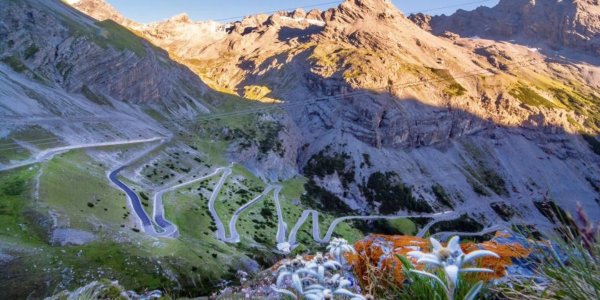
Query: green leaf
point(474, 291)
point(405, 262)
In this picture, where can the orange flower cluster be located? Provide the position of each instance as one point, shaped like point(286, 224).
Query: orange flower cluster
point(507, 253)
point(376, 257)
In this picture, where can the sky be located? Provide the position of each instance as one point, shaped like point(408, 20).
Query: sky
point(145, 11)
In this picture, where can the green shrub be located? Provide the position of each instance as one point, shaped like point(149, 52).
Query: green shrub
point(323, 199)
point(30, 51)
point(489, 178)
point(505, 211)
point(455, 89)
point(464, 224)
point(388, 189)
point(530, 97)
point(14, 186)
point(96, 98)
point(441, 195)
point(323, 164)
point(15, 63)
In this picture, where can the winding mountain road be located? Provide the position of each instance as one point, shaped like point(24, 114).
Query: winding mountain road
point(50, 153)
point(159, 226)
point(316, 233)
point(158, 211)
point(170, 230)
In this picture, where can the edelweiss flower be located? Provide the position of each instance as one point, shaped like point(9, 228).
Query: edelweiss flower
point(296, 271)
point(452, 259)
point(284, 247)
point(320, 264)
point(338, 286)
point(338, 247)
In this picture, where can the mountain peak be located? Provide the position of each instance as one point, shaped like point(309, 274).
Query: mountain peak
point(181, 18)
point(352, 10)
point(368, 5)
point(99, 10)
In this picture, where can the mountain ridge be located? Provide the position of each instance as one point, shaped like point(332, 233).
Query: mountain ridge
point(573, 24)
point(370, 47)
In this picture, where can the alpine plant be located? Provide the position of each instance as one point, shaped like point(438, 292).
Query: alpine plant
point(452, 261)
point(318, 278)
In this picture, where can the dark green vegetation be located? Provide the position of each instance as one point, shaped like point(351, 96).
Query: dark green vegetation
point(463, 224)
point(270, 138)
point(14, 186)
point(505, 211)
point(489, 178)
point(323, 164)
point(247, 132)
point(454, 89)
point(30, 51)
point(551, 211)
point(481, 175)
point(15, 63)
point(388, 189)
point(585, 105)
point(393, 227)
point(441, 195)
point(530, 97)
point(323, 199)
point(94, 97)
point(420, 287)
point(320, 166)
point(366, 161)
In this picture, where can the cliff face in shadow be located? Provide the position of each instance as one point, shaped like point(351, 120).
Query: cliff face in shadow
point(447, 151)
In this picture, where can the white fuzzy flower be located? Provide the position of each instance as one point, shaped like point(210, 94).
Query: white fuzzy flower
point(452, 260)
point(338, 247)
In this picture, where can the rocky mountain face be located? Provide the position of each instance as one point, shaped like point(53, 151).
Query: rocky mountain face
point(561, 24)
point(102, 11)
point(381, 104)
point(57, 46)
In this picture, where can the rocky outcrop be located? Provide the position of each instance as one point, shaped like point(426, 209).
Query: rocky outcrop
point(71, 237)
point(562, 24)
